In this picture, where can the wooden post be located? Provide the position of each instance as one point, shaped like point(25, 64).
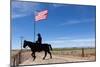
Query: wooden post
point(14, 62)
point(19, 57)
point(82, 52)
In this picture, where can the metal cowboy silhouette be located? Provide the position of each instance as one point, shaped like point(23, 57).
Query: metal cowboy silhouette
point(39, 39)
point(38, 47)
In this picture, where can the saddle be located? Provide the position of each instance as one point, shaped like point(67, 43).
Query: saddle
point(39, 46)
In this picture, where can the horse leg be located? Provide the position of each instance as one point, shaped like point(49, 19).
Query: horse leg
point(50, 54)
point(33, 55)
point(45, 55)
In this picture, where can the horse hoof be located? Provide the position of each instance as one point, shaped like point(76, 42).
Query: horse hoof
point(43, 58)
point(33, 59)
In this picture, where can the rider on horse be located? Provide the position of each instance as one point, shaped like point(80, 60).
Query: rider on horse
point(39, 40)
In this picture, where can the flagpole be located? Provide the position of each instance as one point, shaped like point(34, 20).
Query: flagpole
point(34, 31)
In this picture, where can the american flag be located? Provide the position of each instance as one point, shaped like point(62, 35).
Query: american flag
point(41, 15)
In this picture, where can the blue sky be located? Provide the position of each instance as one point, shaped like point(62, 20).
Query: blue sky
point(67, 25)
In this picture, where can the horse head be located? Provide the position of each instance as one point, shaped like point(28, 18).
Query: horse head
point(25, 44)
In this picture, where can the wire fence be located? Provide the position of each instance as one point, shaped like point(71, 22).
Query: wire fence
point(24, 55)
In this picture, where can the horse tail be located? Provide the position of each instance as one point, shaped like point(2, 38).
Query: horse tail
point(50, 46)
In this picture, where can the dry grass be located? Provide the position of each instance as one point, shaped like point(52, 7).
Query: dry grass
point(59, 55)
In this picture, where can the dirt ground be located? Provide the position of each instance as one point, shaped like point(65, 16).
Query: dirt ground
point(58, 57)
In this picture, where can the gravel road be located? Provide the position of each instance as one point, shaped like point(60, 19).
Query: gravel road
point(55, 59)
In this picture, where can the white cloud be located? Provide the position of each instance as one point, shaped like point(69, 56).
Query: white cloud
point(21, 9)
point(57, 5)
point(62, 38)
point(77, 21)
point(73, 43)
point(18, 15)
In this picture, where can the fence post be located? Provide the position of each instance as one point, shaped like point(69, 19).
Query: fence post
point(14, 64)
point(19, 56)
point(82, 52)
point(17, 59)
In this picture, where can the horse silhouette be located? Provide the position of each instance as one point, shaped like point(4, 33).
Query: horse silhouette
point(35, 48)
